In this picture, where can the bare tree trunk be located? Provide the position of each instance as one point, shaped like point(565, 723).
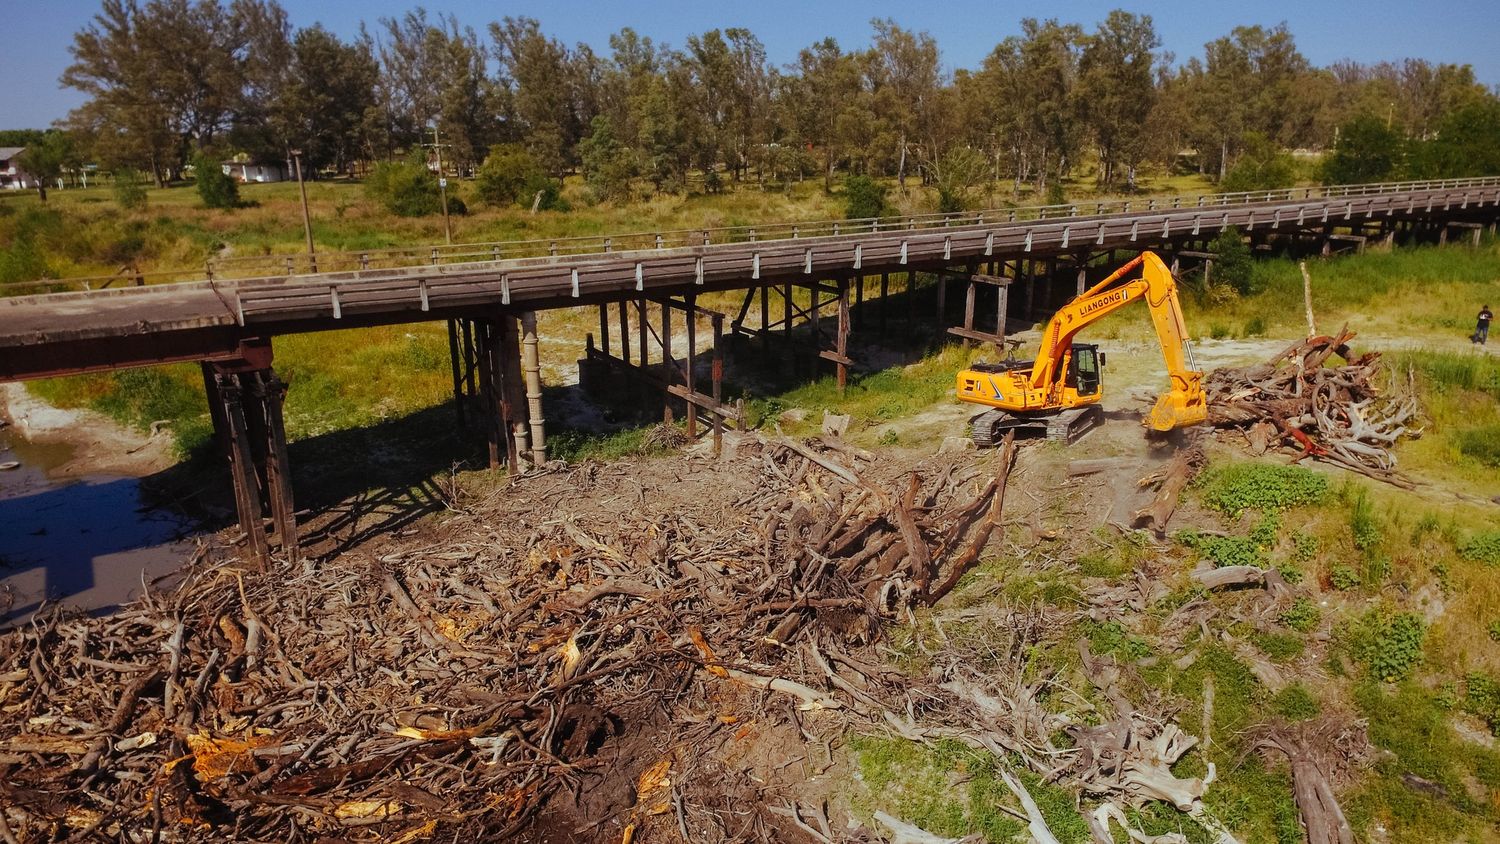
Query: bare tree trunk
point(901, 167)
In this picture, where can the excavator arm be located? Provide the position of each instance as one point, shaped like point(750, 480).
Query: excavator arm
point(1183, 404)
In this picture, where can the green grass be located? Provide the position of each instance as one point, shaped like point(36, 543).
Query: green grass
point(1460, 397)
point(1409, 722)
point(949, 789)
point(1233, 488)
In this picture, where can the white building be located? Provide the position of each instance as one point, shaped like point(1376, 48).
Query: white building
point(256, 171)
point(12, 177)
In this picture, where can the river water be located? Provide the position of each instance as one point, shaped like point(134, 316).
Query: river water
point(87, 541)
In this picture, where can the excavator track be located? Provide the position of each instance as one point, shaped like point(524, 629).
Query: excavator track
point(988, 428)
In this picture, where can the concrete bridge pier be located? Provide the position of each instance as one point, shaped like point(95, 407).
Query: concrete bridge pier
point(245, 402)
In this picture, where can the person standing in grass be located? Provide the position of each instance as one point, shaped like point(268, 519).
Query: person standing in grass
point(1482, 330)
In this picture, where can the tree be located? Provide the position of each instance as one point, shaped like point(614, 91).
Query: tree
point(906, 77)
point(434, 75)
point(608, 165)
point(45, 158)
point(1367, 151)
point(1116, 80)
point(506, 173)
point(1467, 144)
point(216, 188)
point(321, 102)
point(818, 92)
point(864, 198)
point(1262, 166)
point(957, 174)
point(1030, 84)
point(535, 72)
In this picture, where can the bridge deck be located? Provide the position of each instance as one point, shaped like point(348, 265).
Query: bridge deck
point(103, 329)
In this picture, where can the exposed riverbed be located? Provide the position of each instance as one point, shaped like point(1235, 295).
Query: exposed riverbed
point(75, 523)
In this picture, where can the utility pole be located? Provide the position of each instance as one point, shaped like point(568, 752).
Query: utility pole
point(442, 184)
point(312, 254)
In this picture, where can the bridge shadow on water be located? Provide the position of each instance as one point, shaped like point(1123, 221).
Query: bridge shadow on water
point(91, 543)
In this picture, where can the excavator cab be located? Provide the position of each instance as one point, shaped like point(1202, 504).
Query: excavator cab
point(1085, 370)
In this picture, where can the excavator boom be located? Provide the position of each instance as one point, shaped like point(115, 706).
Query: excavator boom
point(1065, 377)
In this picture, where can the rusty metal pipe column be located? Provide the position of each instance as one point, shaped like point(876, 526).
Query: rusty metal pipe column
point(531, 366)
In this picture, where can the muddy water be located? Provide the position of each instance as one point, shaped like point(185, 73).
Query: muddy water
point(86, 541)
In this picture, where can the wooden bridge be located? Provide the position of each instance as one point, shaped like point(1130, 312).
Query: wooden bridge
point(490, 293)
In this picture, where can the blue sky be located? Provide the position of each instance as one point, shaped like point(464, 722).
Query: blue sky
point(36, 35)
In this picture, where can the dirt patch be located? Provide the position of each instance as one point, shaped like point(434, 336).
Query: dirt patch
point(100, 445)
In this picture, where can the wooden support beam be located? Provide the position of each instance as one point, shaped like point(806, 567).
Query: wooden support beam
point(458, 378)
point(513, 405)
point(242, 470)
point(942, 295)
point(270, 392)
point(692, 361)
point(717, 376)
point(531, 367)
point(885, 300)
point(969, 308)
point(492, 390)
point(842, 340)
point(668, 362)
point(625, 331)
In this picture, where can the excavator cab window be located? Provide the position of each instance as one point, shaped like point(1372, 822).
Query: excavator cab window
point(1083, 370)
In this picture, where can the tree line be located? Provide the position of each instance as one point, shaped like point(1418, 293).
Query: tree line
point(167, 80)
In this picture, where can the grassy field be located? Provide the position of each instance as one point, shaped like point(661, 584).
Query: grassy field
point(82, 232)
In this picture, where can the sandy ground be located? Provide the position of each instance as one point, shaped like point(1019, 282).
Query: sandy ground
point(99, 443)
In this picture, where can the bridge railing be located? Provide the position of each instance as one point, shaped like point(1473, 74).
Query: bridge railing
point(295, 264)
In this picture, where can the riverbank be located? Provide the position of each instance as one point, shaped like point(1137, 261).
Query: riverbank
point(98, 443)
point(79, 526)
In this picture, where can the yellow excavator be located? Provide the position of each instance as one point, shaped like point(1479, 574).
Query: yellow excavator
point(1058, 394)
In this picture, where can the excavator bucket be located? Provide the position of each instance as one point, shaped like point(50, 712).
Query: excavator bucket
point(1176, 409)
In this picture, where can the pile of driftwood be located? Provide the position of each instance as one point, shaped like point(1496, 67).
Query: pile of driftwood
point(547, 660)
point(1334, 413)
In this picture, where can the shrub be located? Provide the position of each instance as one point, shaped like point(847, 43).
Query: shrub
point(1483, 548)
point(1482, 698)
point(1344, 578)
point(1233, 488)
point(608, 165)
point(1295, 703)
point(1303, 615)
point(216, 188)
point(1304, 546)
point(864, 197)
point(130, 190)
point(1389, 644)
point(1362, 522)
point(1055, 193)
point(1234, 266)
point(1281, 647)
point(551, 191)
point(1223, 550)
point(1255, 327)
point(1482, 444)
point(511, 175)
point(404, 188)
point(1494, 630)
point(958, 173)
point(1262, 166)
point(1367, 151)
